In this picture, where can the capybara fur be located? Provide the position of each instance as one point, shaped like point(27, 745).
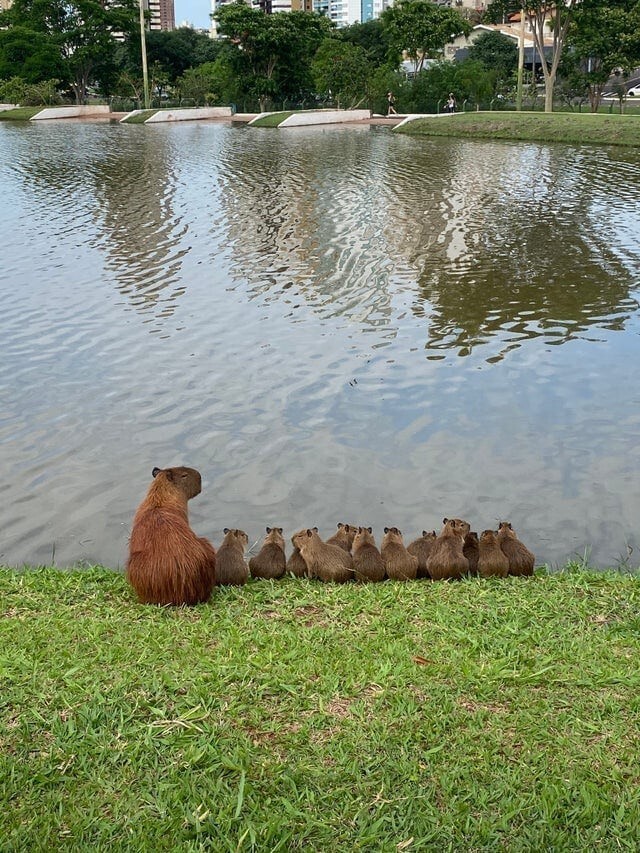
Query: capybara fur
point(470, 550)
point(327, 563)
point(168, 563)
point(295, 564)
point(232, 568)
point(521, 560)
point(421, 548)
point(398, 563)
point(492, 562)
point(367, 561)
point(270, 562)
point(447, 559)
point(343, 537)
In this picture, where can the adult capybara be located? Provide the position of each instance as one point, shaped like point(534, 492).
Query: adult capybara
point(367, 560)
point(421, 548)
point(168, 563)
point(447, 559)
point(521, 560)
point(492, 562)
point(470, 550)
point(398, 563)
point(231, 566)
point(325, 562)
point(343, 537)
point(270, 563)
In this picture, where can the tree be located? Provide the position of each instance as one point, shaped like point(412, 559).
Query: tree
point(495, 51)
point(271, 53)
point(375, 40)
point(343, 69)
point(81, 31)
point(601, 40)
point(31, 56)
point(178, 50)
point(422, 29)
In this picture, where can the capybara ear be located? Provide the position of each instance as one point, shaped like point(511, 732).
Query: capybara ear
point(268, 530)
point(169, 474)
point(155, 472)
point(386, 530)
point(309, 533)
point(279, 529)
point(444, 520)
point(370, 529)
point(424, 532)
point(225, 531)
point(315, 529)
point(340, 524)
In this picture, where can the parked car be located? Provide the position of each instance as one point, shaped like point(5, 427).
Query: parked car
point(634, 92)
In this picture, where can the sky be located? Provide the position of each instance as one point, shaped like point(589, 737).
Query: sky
point(194, 11)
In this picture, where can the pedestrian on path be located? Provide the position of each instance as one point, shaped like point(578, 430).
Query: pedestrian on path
point(392, 104)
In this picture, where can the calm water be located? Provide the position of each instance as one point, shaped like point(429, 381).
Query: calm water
point(335, 324)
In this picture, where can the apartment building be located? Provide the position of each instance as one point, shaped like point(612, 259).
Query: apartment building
point(162, 14)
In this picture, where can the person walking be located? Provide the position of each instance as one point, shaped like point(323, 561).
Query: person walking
point(451, 103)
point(391, 101)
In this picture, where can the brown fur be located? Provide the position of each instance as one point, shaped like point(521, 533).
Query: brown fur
point(325, 562)
point(491, 561)
point(270, 562)
point(367, 561)
point(470, 550)
point(295, 564)
point(232, 566)
point(343, 537)
point(521, 560)
point(398, 563)
point(168, 563)
point(447, 559)
point(421, 548)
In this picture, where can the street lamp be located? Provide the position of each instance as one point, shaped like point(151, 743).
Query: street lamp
point(143, 49)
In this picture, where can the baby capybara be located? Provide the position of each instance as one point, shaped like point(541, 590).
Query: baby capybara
point(325, 562)
point(421, 548)
point(367, 560)
point(270, 563)
point(398, 563)
point(447, 559)
point(470, 550)
point(168, 563)
point(492, 562)
point(231, 566)
point(343, 537)
point(521, 560)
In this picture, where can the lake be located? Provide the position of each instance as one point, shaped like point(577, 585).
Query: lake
point(331, 324)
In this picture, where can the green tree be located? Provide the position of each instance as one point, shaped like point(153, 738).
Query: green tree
point(33, 56)
point(375, 40)
point(601, 40)
point(178, 50)
point(82, 32)
point(342, 68)
point(495, 51)
point(271, 54)
point(421, 28)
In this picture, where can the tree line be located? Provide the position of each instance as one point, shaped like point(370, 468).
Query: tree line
point(78, 49)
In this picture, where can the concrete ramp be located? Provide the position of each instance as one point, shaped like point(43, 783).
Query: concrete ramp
point(95, 111)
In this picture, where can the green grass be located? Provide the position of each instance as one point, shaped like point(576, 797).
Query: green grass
point(272, 120)
point(544, 127)
point(140, 118)
point(471, 716)
point(20, 113)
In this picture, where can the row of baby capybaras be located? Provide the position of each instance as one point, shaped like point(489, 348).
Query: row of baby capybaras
point(169, 564)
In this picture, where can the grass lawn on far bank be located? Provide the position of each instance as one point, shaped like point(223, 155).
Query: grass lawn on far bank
point(20, 113)
point(271, 120)
point(545, 127)
point(291, 715)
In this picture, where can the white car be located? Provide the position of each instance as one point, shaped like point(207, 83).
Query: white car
point(634, 92)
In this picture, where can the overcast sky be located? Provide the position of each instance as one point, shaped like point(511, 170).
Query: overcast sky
point(194, 11)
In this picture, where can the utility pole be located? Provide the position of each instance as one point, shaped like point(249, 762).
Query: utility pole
point(143, 48)
point(520, 61)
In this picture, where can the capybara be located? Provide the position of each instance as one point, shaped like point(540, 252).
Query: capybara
point(521, 560)
point(270, 562)
point(168, 563)
point(398, 563)
point(231, 566)
point(447, 559)
point(470, 550)
point(367, 561)
point(295, 564)
point(421, 548)
point(324, 562)
point(343, 537)
point(492, 562)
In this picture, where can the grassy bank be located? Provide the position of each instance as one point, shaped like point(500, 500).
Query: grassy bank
point(140, 117)
point(469, 716)
point(544, 127)
point(272, 120)
point(19, 113)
